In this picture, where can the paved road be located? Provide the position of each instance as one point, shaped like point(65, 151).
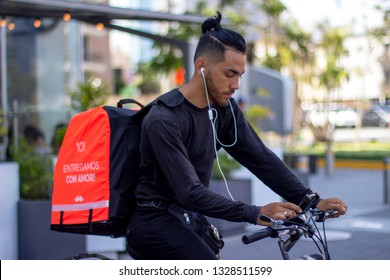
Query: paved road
point(362, 234)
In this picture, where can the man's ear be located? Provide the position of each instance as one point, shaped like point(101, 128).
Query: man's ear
point(200, 63)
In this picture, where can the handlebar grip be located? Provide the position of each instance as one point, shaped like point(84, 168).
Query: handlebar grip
point(258, 235)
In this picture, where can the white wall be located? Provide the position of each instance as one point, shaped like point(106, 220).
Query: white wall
point(9, 196)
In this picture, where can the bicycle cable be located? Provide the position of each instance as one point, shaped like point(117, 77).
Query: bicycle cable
point(321, 239)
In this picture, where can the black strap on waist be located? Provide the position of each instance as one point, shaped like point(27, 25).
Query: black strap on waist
point(159, 204)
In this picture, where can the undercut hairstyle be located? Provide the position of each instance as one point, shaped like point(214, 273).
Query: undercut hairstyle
point(215, 40)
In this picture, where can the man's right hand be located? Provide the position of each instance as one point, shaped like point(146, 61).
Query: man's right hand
point(278, 211)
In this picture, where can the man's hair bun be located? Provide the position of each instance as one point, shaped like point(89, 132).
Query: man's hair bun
point(213, 23)
point(216, 39)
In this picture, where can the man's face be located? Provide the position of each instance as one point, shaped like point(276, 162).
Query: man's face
point(223, 78)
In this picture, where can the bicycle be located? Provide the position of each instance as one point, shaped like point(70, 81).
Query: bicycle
point(290, 231)
point(287, 231)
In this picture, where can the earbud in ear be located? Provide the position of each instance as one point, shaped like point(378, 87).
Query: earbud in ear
point(202, 71)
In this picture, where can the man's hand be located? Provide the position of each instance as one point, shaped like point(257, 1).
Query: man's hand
point(279, 211)
point(333, 204)
point(287, 210)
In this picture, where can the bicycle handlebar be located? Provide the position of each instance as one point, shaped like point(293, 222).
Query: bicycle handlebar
point(258, 235)
point(291, 230)
point(297, 226)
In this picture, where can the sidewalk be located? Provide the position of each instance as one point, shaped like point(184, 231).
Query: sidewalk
point(362, 234)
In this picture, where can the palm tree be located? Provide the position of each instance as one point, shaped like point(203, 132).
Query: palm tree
point(288, 49)
point(330, 77)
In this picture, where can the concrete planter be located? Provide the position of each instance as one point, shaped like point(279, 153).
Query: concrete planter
point(241, 191)
point(37, 241)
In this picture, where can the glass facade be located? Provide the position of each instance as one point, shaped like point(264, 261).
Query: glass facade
point(41, 64)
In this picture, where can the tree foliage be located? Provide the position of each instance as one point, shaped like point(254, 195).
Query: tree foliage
point(169, 58)
point(88, 95)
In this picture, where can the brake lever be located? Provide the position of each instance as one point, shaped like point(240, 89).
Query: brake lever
point(274, 223)
point(299, 220)
point(266, 219)
point(321, 216)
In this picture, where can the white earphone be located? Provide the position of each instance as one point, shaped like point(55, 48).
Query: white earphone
point(213, 121)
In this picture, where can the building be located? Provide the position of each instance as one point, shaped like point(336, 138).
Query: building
point(47, 48)
point(46, 60)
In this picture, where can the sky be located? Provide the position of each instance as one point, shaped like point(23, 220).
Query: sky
point(338, 12)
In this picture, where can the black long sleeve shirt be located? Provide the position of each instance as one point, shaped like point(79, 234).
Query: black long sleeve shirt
point(177, 155)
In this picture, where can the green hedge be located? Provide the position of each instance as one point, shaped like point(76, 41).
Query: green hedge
point(361, 151)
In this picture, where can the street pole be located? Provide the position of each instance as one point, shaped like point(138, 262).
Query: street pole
point(4, 95)
point(386, 180)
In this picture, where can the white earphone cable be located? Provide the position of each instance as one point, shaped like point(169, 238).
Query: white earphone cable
point(215, 136)
point(235, 127)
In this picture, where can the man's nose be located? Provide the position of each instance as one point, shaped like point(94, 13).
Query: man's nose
point(235, 85)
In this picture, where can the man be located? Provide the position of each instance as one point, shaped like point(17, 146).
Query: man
point(180, 136)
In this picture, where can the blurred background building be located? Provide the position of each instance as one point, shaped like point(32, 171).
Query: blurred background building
point(44, 58)
point(47, 50)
